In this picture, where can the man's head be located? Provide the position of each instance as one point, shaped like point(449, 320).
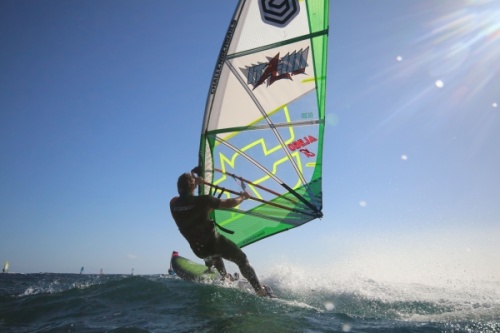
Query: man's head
point(186, 184)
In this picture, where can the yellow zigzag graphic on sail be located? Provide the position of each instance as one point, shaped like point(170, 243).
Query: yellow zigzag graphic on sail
point(225, 161)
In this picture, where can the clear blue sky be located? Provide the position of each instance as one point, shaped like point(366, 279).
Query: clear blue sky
point(101, 104)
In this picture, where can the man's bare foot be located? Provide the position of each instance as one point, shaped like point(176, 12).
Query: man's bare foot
point(228, 278)
point(266, 291)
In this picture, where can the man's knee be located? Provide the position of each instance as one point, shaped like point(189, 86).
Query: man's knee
point(241, 260)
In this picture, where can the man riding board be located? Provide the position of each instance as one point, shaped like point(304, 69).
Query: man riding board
point(192, 215)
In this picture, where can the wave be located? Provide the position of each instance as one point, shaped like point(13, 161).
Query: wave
point(160, 303)
point(361, 297)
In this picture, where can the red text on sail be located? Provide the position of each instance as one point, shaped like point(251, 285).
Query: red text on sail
point(301, 143)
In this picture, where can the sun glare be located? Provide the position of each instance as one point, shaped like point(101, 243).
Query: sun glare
point(466, 43)
point(458, 51)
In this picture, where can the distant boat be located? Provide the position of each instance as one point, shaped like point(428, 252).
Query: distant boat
point(101, 272)
point(5, 267)
point(132, 273)
point(81, 270)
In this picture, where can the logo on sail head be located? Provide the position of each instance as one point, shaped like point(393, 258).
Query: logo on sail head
point(278, 12)
point(277, 68)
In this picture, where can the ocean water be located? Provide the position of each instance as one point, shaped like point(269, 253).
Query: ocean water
point(161, 303)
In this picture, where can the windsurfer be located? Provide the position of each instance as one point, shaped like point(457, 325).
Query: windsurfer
point(191, 214)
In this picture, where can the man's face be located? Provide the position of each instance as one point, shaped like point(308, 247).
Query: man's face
point(192, 183)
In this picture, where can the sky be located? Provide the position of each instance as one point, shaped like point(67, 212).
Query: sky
point(101, 104)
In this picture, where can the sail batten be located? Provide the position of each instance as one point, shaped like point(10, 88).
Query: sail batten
point(264, 119)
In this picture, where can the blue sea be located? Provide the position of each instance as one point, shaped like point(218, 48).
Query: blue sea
point(162, 303)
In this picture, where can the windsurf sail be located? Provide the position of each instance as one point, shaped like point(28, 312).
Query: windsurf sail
point(81, 270)
point(5, 267)
point(264, 118)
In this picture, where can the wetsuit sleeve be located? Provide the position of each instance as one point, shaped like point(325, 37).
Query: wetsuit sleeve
point(211, 201)
point(172, 203)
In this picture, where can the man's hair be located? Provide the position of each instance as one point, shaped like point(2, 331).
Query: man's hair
point(184, 184)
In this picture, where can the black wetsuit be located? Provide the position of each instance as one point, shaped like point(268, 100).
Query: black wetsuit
point(191, 214)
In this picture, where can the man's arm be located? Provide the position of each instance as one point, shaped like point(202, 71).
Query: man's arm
point(224, 203)
point(233, 202)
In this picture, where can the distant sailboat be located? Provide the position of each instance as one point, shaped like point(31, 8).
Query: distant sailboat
point(132, 273)
point(81, 270)
point(101, 272)
point(5, 267)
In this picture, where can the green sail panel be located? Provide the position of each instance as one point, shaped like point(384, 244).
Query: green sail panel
point(264, 119)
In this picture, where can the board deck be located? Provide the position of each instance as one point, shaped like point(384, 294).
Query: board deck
point(190, 270)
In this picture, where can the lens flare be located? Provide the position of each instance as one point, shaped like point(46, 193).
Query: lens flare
point(329, 306)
